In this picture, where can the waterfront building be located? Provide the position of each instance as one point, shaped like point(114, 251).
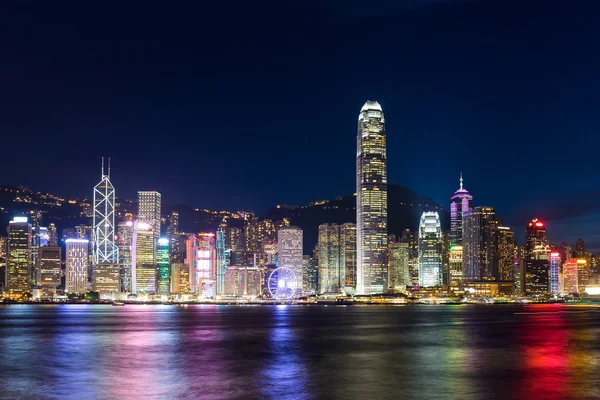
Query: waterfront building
point(19, 267)
point(242, 281)
point(412, 238)
point(289, 250)
point(505, 253)
point(537, 271)
point(49, 269)
point(554, 272)
point(570, 276)
point(460, 205)
point(430, 250)
point(371, 201)
point(105, 248)
point(398, 266)
point(329, 255)
point(455, 262)
point(106, 278)
point(479, 245)
point(146, 279)
point(583, 274)
point(201, 259)
point(180, 278)
point(535, 237)
point(142, 250)
point(76, 277)
point(163, 263)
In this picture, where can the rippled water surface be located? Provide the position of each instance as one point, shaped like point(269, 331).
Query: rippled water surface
point(299, 352)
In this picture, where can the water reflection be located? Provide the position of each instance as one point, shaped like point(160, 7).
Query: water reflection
point(292, 352)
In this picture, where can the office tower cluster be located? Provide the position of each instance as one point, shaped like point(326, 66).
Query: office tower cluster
point(124, 249)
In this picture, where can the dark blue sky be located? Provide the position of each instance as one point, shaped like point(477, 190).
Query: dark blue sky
point(248, 104)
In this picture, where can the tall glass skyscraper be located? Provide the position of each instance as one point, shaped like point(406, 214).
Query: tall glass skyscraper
point(105, 249)
point(430, 250)
point(371, 201)
point(460, 204)
point(149, 210)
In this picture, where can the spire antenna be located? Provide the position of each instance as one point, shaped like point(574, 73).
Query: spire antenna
point(109, 167)
point(102, 166)
point(461, 181)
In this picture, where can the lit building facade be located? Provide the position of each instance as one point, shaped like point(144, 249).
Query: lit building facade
point(570, 272)
point(76, 278)
point(398, 260)
point(221, 259)
point(49, 259)
point(479, 245)
point(201, 259)
point(430, 250)
point(505, 253)
point(107, 278)
point(149, 210)
point(554, 272)
point(180, 278)
point(142, 250)
point(124, 243)
point(146, 279)
point(329, 258)
point(455, 266)
point(289, 250)
point(460, 205)
point(583, 274)
point(18, 267)
point(162, 261)
point(371, 201)
point(105, 248)
point(242, 281)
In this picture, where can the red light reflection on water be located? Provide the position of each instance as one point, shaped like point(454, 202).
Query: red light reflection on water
point(544, 343)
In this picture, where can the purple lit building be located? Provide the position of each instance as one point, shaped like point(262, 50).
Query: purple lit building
point(460, 204)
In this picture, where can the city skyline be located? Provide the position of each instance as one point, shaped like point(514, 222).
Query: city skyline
point(503, 103)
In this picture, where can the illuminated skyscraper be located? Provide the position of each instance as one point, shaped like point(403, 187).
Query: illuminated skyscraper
point(76, 278)
point(124, 243)
point(505, 253)
point(535, 275)
point(201, 259)
point(221, 261)
point(180, 278)
point(106, 278)
point(371, 201)
point(430, 250)
point(570, 272)
point(455, 261)
point(329, 258)
point(583, 274)
point(162, 260)
point(19, 268)
point(460, 204)
point(479, 245)
point(105, 249)
point(49, 269)
point(149, 210)
point(348, 257)
point(554, 272)
point(580, 248)
point(399, 266)
point(289, 250)
point(142, 251)
point(535, 236)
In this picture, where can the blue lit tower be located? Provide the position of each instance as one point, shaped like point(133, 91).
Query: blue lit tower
point(162, 259)
point(105, 248)
point(371, 201)
point(221, 261)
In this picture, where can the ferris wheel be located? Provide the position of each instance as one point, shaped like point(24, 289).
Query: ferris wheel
point(283, 283)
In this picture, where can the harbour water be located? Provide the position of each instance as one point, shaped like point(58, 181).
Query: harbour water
point(299, 352)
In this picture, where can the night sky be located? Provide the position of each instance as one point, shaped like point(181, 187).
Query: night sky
point(243, 105)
